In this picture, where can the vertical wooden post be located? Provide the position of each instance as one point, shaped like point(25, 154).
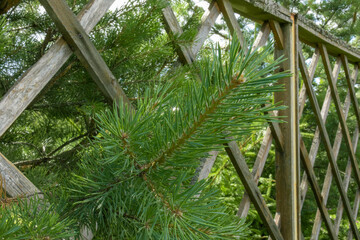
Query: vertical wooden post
point(287, 162)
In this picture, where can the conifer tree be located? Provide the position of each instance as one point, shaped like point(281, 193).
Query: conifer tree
point(135, 180)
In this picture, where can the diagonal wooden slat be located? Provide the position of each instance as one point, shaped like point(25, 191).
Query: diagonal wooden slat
point(261, 39)
point(316, 190)
point(256, 171)
point(231, 21)
point(272, 130)
point(262, 36)
point(336, 98)
point(207, 22)
point(302, 96)
point(351, 88)
point(187, 54)
point(207, 166)
point(15, 183)
point(34, 80)
point(29, 86)
point(328, 176)
point(324, 112)
point(326, 140)
point(355, 210)
point(173, 28)
point(316, 139)
point(278, 35)
point(348, 170)
point(277, 135)
point(242, 169)
point(76, 36)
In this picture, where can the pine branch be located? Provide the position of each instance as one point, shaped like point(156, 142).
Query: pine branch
point(235, 82)
point(136, 165)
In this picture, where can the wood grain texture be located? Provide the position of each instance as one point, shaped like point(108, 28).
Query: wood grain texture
point(15, 101)
point(327, 145)
point(208, 164)
point(288, 160)
point(207, 22)
point(246, 177)
point(16, 184)
point(262, 36)
point(309, 32)
point(76, 36)
point(173, 29)
point(231, 21)
point(256, 171)
point(278, 35)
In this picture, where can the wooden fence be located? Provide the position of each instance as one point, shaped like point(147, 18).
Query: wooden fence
point(291, 33)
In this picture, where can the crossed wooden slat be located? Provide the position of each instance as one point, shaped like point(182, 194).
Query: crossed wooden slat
point(75, 34)
point(15, 101)
point(331, 152)
point(328, 177)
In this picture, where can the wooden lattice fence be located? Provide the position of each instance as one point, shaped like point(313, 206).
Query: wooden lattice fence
point(291, 33)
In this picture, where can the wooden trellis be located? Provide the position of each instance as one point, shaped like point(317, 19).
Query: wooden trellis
point(290, 32)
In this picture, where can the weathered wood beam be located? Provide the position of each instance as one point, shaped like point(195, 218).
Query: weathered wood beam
point(316, 190)
point(256, 171)
point(264, 10)
point(205, 169)
point(278, 35)
point(15, 183)
point(326, 140)
point(262, 36)
point(76, 36)
point(207, 22)
point(277, 136)
point(30, 84)
point(173, 28)
point(231, 21)
point(288, 161)
point(242, 170)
